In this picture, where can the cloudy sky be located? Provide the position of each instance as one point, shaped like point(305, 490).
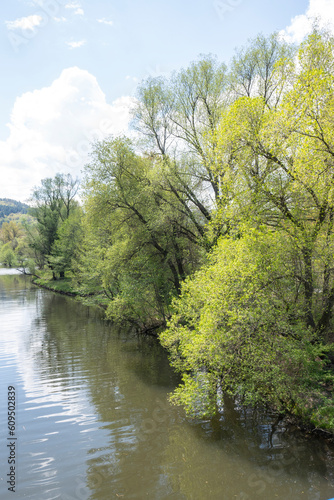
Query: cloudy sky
point(69, 69)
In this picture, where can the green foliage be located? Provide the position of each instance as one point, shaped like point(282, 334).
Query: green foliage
point(53, 204)
point(217, 222)
point(141, 242)
point(66, 248)
point(146, 213)
point(10, 232)
point(256, 320)
point(64, 286)
point(277, 170)
point(175, 118)
point(236, 324)
point(11, 210)
point(30, 266)
point(15, 249)
point(7, 255)
point(263, 68)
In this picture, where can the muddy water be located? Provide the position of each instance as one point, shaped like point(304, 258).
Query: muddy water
point(92, 419)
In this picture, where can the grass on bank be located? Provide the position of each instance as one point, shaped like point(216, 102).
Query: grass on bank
point(69, 286)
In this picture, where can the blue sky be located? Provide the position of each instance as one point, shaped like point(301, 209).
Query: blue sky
point(70, 68)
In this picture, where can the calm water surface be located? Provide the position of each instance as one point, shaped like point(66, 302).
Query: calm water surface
point(93, 420)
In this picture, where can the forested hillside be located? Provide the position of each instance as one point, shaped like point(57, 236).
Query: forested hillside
point(8, 207)
point(215, 226)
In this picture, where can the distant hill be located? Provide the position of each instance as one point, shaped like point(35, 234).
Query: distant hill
point(11, 210)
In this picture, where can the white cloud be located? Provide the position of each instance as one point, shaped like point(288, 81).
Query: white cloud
point(321, 11)
point(25, 23)
point(76, 45)
point(132, 78)
point(105, 21)
point(60, 19)
point(76, 7)
point(51, 130)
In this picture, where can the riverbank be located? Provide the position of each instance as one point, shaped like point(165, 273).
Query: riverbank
point(67, 286)
point(312, 419)
point(98, 393)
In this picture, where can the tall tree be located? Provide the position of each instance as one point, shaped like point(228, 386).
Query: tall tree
point(279, 163)
point(262, 69)
point(257, 319)
point(10, 232)
point(53, 203)
point(177, 115)
point(146, 238)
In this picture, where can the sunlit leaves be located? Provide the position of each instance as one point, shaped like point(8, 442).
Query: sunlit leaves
point(249, 320)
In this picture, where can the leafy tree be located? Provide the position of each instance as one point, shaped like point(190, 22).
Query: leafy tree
point(145, 238)
point(175, 117)
point(236, 329)
point(257, 320)
point(15, 249)
point(218, 223)
point(262, 69)
point(7, 255)
point(66, 248)
point(279, 166)
point(53, 203)
point(10, 232)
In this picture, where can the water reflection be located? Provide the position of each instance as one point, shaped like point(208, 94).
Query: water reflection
point(7, 271)
point(95, 422)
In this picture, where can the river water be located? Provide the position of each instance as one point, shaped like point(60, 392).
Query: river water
point(92, 418)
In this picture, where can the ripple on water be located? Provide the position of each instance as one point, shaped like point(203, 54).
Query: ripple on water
point(94, 421)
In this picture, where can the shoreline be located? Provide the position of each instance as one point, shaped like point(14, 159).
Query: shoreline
point(293, 421)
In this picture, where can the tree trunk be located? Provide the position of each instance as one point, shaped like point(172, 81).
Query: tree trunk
point(308, 286)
